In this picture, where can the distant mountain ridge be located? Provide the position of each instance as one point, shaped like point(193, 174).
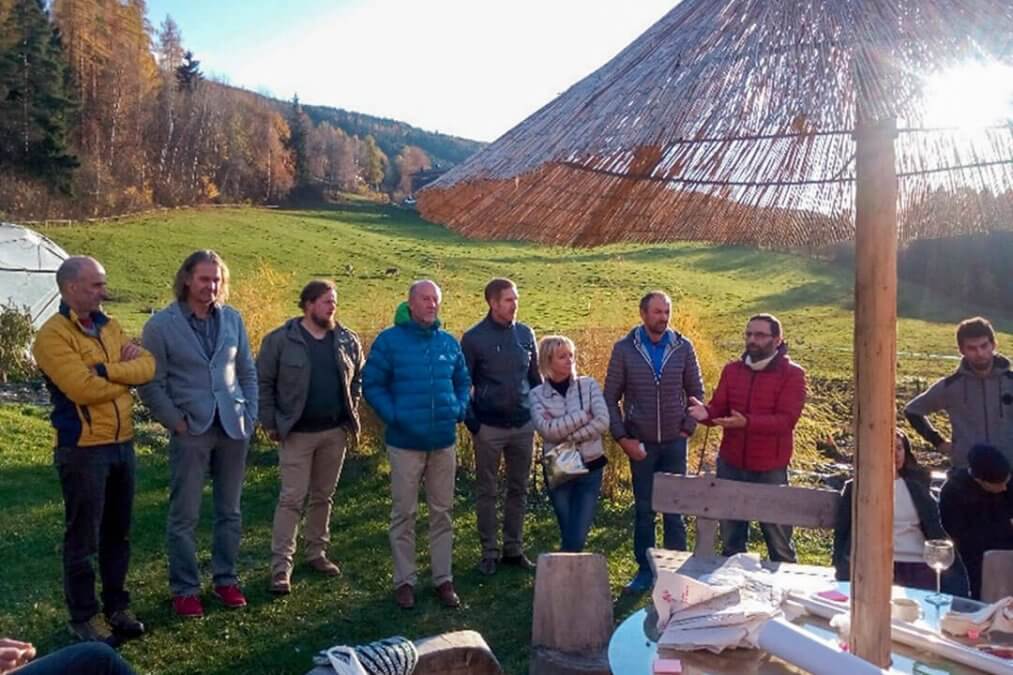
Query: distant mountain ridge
point(392, 135)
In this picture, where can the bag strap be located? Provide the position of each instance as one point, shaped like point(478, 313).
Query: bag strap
point(703, 450)
point(580, 394)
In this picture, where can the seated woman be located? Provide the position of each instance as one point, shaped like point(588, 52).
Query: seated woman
point(570, 408)
point(915, 519)
point(977, 509)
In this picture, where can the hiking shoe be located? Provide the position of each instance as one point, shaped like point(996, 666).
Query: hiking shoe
point(640, 584)
point(520, 560)
point(487, 566)
point(324, 566)
point(281, 584)
point(188, 606)
point(95, 629)
point(404, 596)
point(230, 596)
point(447, 595)
point(125, 623)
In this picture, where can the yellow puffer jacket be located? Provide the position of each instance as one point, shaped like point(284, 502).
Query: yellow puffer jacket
point(88, 383)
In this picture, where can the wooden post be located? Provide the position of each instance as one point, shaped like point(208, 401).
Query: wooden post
point(875, 404)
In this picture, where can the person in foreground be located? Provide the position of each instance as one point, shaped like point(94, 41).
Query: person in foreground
point(416, 380)
point(757, 403)
point(89, 365)
point(309, 373)
point(568, 407)
point(205, 394)
point(87, 658)
point(915, 519)
point(976, 505)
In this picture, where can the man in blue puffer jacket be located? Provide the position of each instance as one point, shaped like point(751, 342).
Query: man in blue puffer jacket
point(416, 380)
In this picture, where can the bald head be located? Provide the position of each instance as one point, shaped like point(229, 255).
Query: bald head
point(424, 299)
point(82, 283)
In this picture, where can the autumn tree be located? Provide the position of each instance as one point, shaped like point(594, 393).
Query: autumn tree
point(169, 50)
point(298, 143)
point(372, 163)
point(34, 103)
point(409, 162)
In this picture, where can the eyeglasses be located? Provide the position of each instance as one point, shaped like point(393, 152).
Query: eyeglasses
point(750, 334)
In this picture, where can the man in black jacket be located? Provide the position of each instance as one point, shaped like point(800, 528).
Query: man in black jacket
point(976, 505)
point(503, 363)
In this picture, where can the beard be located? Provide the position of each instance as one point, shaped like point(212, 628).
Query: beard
point(325, 322)
point(758, 354)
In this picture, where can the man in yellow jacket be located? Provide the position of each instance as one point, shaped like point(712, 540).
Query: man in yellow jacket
point(89, 365)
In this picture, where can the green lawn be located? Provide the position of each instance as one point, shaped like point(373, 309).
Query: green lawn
point(591, 294)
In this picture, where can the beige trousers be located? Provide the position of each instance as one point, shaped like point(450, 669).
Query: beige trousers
point(435, 470)
point(310, 465)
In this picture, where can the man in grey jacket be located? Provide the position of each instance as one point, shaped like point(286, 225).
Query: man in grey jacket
point(977, 398)
point(205, 394)
point(310, 376)
point(652, 373)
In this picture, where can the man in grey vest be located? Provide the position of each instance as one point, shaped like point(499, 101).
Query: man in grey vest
point(503, 363)
point(205, 394)
point(310, 375)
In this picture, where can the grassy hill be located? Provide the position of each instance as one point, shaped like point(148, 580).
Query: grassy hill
point(589, 294)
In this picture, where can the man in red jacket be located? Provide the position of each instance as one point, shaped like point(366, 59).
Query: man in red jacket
point(757, 402)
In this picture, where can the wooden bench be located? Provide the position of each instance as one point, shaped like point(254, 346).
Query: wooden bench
point(712, 499)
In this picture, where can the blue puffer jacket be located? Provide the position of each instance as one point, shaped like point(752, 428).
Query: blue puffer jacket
point(416, 380)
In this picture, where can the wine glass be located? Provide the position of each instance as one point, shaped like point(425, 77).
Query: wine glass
point(938, 554)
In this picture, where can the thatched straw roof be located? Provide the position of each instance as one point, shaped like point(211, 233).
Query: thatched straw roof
point(732, 120)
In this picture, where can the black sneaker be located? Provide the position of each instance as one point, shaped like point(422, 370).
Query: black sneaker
point(123, 622)
point(95, 629)
point(487, 567)
point(519, 560)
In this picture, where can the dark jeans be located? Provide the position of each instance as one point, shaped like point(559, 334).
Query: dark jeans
point(661, 458)
point(98, 499)
point(86, 658)
point(575, 503)
point(735, 533)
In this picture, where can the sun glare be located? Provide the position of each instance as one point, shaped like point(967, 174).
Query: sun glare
point(975, 95)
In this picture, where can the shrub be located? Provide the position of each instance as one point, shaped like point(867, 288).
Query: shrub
point(16, 334)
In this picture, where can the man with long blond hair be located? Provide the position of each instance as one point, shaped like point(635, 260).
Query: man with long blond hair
point(205, 394)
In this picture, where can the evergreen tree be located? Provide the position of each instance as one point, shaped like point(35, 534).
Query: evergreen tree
point(34, 103)
point(300, 128)
point(188, 74)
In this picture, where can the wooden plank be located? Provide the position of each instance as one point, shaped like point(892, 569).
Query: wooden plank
point(875, 396)
point(720, 499)
point(573, 603)
point(996, 575)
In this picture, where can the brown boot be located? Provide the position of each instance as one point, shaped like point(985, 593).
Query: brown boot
point(324, 566)
point(404, 596)
point(281, 584)
point(447, 595)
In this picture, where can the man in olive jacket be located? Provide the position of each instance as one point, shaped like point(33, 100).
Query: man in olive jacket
point(503, 363)
point(309, 373)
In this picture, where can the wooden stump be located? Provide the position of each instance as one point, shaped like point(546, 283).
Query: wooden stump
point(572, 615)
point(462, 652)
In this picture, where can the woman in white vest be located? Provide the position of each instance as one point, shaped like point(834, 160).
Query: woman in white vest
point(570, 409)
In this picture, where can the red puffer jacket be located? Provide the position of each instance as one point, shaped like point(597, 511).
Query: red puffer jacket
point(771, 400)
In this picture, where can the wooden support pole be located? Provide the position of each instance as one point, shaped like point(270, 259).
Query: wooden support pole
point(875, 404)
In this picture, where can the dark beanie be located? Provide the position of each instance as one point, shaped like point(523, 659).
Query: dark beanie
point(988, 464)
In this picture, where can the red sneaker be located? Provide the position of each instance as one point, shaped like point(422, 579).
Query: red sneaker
point(188, 606)
point(230, 596)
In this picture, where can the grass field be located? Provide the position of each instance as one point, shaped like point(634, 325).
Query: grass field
point(590, 294)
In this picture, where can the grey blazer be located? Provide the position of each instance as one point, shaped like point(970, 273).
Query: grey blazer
point(190, 386)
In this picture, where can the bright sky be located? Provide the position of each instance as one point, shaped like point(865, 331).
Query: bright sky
point(472, 68)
